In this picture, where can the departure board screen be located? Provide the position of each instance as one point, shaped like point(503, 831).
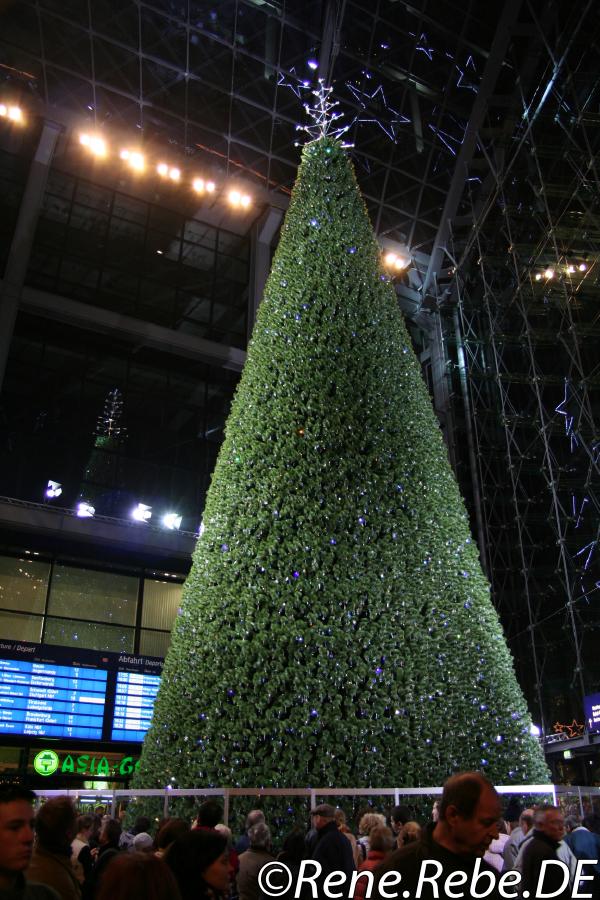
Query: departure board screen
point(134, 703)
point(68, 692)
point(47, 700)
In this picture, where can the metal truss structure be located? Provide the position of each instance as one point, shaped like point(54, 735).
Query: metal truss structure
point(522, 326)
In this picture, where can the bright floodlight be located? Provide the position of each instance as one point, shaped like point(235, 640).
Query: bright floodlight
point(199, 185)
point(390, 259)
point(549, 273)
point(235, 198)
point(141, 513)
point(172, 521)
point(162, 169)
point(85, 510)
point(535, 730)
point(538, 276)
point(94, 144)
point(53, 489)
point(570, 269)
point(582, 267)
point(210, 187)
point(312, 64)
point(400, 263)
point(134, 159)
point(15, 114)
point(3, 109)
point(174, 173)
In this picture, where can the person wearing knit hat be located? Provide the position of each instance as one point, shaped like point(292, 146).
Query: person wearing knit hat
point(200, 862)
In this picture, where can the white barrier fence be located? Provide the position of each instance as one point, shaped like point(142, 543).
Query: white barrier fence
point(111, 799)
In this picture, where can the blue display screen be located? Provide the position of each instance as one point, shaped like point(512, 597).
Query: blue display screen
point(62, 692)
point(47, 700)
point(134, 703)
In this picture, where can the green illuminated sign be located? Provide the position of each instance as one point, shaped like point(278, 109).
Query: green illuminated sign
point(46, 762)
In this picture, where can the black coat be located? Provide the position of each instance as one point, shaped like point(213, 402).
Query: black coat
point(333, 851)
point(536, 850)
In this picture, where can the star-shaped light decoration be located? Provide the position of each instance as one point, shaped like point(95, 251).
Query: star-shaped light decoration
point(574, 730)
point(323, 116)
point(297, 86)
point(368, 100)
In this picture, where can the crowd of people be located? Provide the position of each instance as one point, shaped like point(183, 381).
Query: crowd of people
point(58, 855)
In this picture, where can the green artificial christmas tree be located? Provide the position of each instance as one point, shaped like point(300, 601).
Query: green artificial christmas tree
point(336, 627)
point(102, 480)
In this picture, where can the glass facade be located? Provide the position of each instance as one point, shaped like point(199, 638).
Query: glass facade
point(74, 606)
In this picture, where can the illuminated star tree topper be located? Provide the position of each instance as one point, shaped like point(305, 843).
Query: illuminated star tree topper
point(323, 117)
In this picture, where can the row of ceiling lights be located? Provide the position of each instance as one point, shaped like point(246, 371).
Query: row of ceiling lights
point(140, 513)
point(135, 159)
point(570, 269)
point(138, 163)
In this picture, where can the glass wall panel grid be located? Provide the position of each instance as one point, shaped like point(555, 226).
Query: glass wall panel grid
point(91, 635)
point(161, 602)
point(93, 595)
point(23, 584)
point(20, 627)
point(118, 251)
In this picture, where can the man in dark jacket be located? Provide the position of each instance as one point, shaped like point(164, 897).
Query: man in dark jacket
point(452, 846)
point(548, 832)
point(332, 850)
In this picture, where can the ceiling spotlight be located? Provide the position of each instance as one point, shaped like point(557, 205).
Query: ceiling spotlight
point(538, 276)
point(14, 113)
point(570, 269)
point(245, 201)
point(549, 273)
point(210, 187)
point(582, 267)
point(234, 198)
point(53, 489)
point(162, 169)
point(174, 173)
point(199, 185)
point(312, 64)
point(85, 510)
point(134, 159)
point(141, 513)
point(400, 263)
point(535, 730)
point(171, 521)
point(390, 259)
point(94, 144)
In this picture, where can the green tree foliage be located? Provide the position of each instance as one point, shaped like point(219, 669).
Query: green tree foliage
point(336, 626)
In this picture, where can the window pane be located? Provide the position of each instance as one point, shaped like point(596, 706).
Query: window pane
point(154, 643)
point(23, 584)
point(72, 633)
point(161, 602)
point(17, 627)
point(9, 760)
point(103, 596)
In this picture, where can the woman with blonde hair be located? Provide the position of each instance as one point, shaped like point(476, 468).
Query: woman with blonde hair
point(367, 823)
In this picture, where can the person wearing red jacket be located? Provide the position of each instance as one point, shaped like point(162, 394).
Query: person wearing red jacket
point(381, 843)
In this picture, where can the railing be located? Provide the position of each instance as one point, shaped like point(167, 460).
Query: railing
point(111, 798)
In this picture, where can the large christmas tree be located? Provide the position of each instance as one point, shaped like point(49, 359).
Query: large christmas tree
point(336, 627)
